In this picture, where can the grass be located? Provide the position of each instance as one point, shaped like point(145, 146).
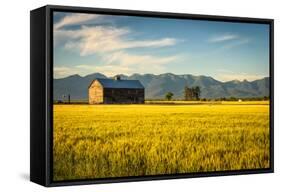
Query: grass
point(98, 141)
point(181, 102)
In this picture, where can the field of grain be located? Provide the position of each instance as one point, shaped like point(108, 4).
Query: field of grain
point(97, 141)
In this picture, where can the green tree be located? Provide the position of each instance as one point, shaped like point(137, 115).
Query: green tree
point(197, 92)
point(169, 96)
point(187, 93)
point(192, 93)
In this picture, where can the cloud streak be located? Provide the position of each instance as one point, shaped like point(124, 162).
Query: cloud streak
point(223, 38)
point(227, 42)
point(111, 44)
point(75, 19)
point(99, 39)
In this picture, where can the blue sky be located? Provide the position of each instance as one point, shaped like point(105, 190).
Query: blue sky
point(90, 43)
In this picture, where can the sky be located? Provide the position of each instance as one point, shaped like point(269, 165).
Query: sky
point(111, 45)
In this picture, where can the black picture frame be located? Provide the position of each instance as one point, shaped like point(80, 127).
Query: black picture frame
point(41, 81)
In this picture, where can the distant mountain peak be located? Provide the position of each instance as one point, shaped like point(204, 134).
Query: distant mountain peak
point(170, 74)
point(94, 74)
point(235, 81)
point(72, 76)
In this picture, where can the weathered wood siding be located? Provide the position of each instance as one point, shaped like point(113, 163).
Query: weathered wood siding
point(95, 93)
point(128, 96)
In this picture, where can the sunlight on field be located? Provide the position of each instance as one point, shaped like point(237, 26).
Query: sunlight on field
point(97, 141)
point(209, 102)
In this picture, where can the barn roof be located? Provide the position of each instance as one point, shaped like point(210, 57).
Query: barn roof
point(126, 84)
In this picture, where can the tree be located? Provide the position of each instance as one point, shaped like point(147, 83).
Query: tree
point(169, 96)
point(197, 92)
point(187, 93)
point(192, 93)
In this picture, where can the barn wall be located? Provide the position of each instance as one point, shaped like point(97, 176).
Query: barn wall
point(95, 93)
point(123, 95)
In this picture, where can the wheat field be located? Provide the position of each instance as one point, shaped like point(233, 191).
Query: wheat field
point(98, 141)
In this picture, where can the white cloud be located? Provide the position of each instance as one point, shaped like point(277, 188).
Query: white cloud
point(150, 43)
point(111, 44)
point(235, 44)
point(75, 19)
point(98, 39)
point(222, 38)
point(63, 36)
point(91, 40)
point(222, 48)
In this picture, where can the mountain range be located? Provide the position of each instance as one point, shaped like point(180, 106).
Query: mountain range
point(156, 86)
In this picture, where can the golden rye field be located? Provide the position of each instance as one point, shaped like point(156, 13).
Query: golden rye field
point(97, 141)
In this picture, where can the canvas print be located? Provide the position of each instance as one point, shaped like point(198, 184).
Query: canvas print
point(146, 96)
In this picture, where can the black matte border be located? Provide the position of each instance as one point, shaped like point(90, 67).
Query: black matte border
point(49, 131)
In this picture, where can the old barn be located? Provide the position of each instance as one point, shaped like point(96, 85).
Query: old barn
point(117, 90)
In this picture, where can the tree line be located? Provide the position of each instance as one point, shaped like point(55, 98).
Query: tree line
point(194, 93)
point(190, 94)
